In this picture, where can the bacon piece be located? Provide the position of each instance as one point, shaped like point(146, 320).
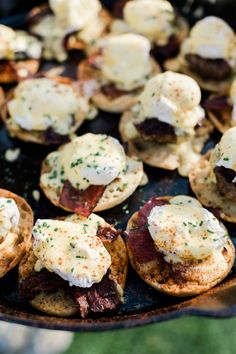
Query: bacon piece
point(100, 297)
point(50, 137)
point(107, 234)
point(112, 92)
point(39, 281)
point(80, 202)
point(217, 103)
point(146, 209)
point(141, 245)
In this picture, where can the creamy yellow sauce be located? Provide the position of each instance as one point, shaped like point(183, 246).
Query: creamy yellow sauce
point(42, 103)
point(71, 249)
point(185, 231)
point(126, 60)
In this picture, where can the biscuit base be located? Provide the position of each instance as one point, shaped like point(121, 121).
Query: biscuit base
point(102, 101)
point(10, 260)
point(159, 155)
point(207, 192)
point(158, 275)
point(61, 304)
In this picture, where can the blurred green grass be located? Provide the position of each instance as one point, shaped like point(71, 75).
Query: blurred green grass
point(190, 335)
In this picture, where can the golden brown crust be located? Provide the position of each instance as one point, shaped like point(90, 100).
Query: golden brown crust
point(35, 136)
point(159, 155)
point(206, 190)
point(179, 64)
point(59, 303)
point(191, 281)
point(14, 71)
point(102, 101)
point(11, 259)
point(115, 193)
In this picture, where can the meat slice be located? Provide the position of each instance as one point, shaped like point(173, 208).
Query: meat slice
point(100, 297)
point(217, 103)
point(141, 245)
point(50, 137)
point(117, 8)
point(80, 202)
point(169, 50)
point(112, 92)
point(146, 209)
point(152, 129)
point(108, 234)
point(224, 177)
point(215, 69)
point(39, 281)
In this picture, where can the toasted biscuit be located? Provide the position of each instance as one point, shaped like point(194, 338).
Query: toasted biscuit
point(207, 192)
point(158, 155)
point(102, 101)
point(61, 304)
point(11, 259)
point(14, 71)
point(115, 193)
point(179, 64)
point(34, 136)
point(194, 280)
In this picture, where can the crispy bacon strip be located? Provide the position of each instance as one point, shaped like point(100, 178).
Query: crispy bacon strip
point(146, 209)
point(141, 245)
point(100, 297)
point(80, 202)
point(39, 281)
point(107, 234)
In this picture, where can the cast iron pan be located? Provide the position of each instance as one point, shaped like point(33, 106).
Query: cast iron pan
point(143, 304)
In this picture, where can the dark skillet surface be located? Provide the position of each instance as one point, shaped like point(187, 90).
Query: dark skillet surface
point(142, 303)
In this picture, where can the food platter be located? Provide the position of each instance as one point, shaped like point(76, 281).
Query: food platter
point(143, 304)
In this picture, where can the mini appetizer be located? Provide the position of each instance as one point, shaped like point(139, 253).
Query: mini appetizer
point(91, 173)
point(16, 223)
point(221, 109)
point(178, 247)
point(213, 179)
point(45, 111)
point(19, 55)
point(167, 128)
point(121, 68)
point(75, 266)
point(208, 55)
point(157, 21)
point(68, 25)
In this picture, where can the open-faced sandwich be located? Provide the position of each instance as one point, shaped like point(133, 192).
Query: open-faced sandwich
point(45, 110)
point(208, 55)
point(121, 67)
point(16, 223)
point(167, 128)
point(221, 109)
point(91, 173)
point(20, 55)
point(178, 247)
point(75, 266)
point(213, 179)
point(156, 20)
point(67, 25)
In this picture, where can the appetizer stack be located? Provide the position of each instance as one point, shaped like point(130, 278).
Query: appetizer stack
point(143, 61)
